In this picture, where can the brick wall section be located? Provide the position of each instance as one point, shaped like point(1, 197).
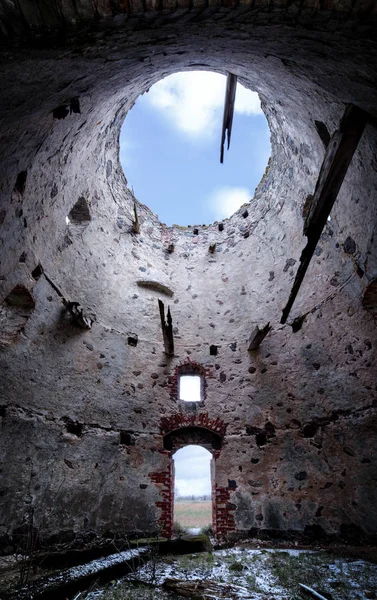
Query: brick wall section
point(165, 483)
point(222, 510)
point(178, 420)
point(223, 518)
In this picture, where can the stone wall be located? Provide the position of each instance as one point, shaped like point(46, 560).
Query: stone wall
point(84, 411)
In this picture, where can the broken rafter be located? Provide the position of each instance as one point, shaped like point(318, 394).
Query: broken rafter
point(135, 222)
point(81, 318)
point(308, 590)
point(230, 96)
point(258, 336)
point(167, 329)
point(334, 168)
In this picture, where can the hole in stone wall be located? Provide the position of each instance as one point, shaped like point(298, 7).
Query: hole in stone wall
point(309, 430)
point(126, 438)
point(74, 106)
point(190, 388)
point(2, 411)
point(370, 297)
point(20, 297)
point(176, 130)
point(37, 272)
point(20, 183)
point(213, 350)
point(80, 214)
point(60, 112)
point(74, 427)
point(192, 489)
point(323, 132)
point(132, 340)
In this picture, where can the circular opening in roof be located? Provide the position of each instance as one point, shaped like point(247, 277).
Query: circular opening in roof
point(170, 148)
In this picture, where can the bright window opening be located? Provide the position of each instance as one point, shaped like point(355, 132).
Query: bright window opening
point(173, 133)
point(192, 490)
point(190, 388)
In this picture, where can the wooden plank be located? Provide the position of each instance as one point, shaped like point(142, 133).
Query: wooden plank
point(167, 329)
point(334, 168)
point(258, 336)
point(230, 97)
point(311, 592)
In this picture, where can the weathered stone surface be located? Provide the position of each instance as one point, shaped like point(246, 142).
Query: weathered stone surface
point(84, 413)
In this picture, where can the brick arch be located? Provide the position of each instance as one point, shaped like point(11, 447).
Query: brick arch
point(180, 430)
point(201, 420)
point(199, 436)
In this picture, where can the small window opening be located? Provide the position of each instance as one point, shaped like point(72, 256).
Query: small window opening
point(190, 388)
point(192, 489)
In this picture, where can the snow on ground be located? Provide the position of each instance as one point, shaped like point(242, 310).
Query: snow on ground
point(261, 574)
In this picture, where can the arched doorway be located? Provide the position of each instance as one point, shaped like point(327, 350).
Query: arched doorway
point(193, 470)
point(177, 440)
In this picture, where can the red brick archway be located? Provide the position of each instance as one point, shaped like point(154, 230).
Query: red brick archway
point(181, 430)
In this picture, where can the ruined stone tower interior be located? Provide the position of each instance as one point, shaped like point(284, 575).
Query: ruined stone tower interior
point(90, 410)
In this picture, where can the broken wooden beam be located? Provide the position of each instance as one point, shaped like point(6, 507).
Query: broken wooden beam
point(135, 222)
point(167, 329)
point(334, 168)
point(205, 589)
point(257, 337)
point(230, 97)
point(308, 590)
point(79, 316)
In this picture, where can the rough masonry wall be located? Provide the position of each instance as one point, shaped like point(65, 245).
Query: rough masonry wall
point(83, 411)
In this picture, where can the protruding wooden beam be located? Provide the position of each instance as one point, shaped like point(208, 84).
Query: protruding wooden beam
point(312, 593)
point(167, 329)
point(135, 222)
point(258, 336)
point(334, 168)
point(79, 316)
point(230, 97)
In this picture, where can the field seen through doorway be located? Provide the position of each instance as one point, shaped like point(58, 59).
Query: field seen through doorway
point(193, 513)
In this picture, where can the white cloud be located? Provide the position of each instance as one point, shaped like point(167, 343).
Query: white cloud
point(224, 201)
point(192, 471)
point(200, 487)
point(193, 101)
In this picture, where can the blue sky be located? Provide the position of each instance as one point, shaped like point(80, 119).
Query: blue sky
point(170, 154)
point(170, 146)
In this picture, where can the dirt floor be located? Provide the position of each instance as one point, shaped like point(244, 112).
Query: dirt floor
point(193, 514)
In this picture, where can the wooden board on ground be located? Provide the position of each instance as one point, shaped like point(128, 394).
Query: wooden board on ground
point(206, 590)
